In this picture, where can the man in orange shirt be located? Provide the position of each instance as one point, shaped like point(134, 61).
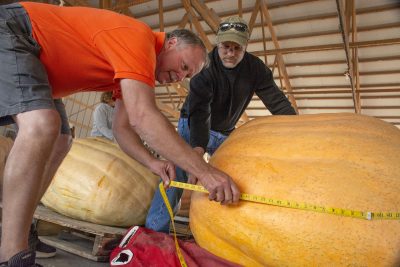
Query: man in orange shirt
point(48, 52)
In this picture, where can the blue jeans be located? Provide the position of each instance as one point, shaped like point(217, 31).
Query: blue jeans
point(158, 218)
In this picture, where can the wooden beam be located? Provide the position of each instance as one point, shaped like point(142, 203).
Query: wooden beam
point(356, 73)
point(363, 107)
point(171, 98)
point(206, 14)
point(345, 36)
point(126, 10)
point(243, 119)
point(280, 60)
point(337, 62)
point(263, 36)
point(347, 91)
point(364, 73)
point(313, 48)
point(197, 25)
point(175, 7)
point(330, 15)
point(325, 33)
point(167, 109)
point(346, 97)
point(127, 4)
point(161, 14)
point(254, 16)
point(368, 85)
point(334, 107)
point(105, 4)
point(185, 19)
point(180, 89)
point(77, 3)
point(276, 22)
point(319, 92)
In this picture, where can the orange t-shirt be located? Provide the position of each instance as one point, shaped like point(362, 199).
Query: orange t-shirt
point(88, 49)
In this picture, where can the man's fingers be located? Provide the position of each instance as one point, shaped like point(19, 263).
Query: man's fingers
point(171, 172)
point(166, 179)
point(220, 195)
point(228, 195)
point(235, 193)
point(212, 194)
point(192, 179)
point(222, 189)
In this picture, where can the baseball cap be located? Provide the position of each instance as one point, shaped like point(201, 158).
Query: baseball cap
point(233, 29)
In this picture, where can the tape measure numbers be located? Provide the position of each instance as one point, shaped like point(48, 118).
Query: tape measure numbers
point(368, 215)
point(275, 202)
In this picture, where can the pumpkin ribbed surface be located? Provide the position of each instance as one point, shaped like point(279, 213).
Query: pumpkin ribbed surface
point(99, 183)
point(5, 148)
point(339, 160)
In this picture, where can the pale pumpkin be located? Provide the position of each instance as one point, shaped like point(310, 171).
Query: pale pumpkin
point(99, 183)
point(5, 148)
point(339, 160)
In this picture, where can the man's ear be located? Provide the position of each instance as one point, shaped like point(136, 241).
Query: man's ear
point(171, 42)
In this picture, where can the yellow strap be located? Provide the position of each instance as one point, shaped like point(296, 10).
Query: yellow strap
point(301, 206)
point(171, 214)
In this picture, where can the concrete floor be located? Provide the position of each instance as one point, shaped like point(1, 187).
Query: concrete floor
point(65, 259)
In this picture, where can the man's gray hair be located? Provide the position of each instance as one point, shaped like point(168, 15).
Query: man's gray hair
point(188, 37)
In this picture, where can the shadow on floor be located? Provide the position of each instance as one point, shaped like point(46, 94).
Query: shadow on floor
point(65, 259)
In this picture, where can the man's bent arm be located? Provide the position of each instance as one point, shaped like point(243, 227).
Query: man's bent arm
point(132, 145)
point(147, 121)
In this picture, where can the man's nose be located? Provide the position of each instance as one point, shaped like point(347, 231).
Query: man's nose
point(182, 75)
point(230, 51)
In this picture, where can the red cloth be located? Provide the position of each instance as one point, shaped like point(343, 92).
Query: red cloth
point(145, 247)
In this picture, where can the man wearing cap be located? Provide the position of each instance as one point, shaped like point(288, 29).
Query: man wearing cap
point(217, 98)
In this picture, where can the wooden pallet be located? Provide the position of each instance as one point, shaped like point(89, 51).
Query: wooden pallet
point(88, 240)
point(182, 228)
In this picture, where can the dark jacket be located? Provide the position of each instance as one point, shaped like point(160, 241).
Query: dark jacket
point(218, 96)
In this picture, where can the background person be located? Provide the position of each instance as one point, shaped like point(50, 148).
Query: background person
point(102, 117)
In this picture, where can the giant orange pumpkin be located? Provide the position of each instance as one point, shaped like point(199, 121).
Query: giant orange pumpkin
point(99, 183)
point(338, 160)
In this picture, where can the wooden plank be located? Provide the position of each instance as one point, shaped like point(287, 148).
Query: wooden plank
point(182, 228)
point(72, 247)
point(45, 214)
point(85, 239)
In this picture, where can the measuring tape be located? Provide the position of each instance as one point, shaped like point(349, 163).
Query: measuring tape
point(367, 215)
point(171, 214)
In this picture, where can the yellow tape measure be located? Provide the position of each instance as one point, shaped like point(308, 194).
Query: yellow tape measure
point(171, 214)
point(368, 215)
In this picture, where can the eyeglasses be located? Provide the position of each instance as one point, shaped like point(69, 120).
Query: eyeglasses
point(240, 27)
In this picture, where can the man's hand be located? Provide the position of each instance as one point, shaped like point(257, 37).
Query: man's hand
point(192, 179)
point(165, 169)
point(220, 186)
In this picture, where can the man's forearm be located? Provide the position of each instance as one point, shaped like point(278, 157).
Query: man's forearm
point(155, 129)
point(132, 145)
point(148, 121)
point(199, 150)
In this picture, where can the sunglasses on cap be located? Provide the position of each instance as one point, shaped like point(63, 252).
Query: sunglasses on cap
point(240, 27)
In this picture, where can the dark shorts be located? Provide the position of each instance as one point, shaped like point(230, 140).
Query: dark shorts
point(24, 85)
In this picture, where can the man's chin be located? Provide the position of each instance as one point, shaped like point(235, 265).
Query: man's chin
point(229, 65)
point(161, 80)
